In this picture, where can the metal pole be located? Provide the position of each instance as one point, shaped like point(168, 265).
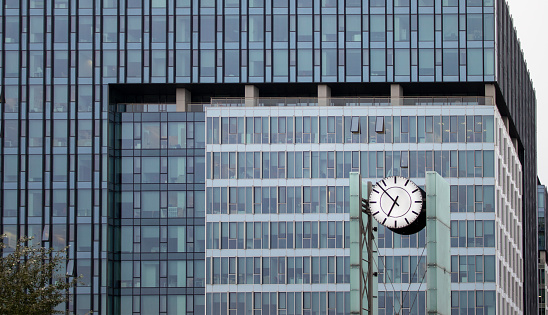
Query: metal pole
point(363, 254)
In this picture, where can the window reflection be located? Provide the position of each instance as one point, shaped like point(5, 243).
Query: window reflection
point(151, 136)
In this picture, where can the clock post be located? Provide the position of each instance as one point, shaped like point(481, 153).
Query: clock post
point(404, 208)
point(438, 245)
point(363, 255)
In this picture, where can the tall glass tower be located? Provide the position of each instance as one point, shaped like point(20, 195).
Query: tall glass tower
point(105, 109)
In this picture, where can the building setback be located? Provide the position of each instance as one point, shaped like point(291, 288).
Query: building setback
point(105, 108)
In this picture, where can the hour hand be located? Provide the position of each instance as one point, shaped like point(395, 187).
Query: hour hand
point(394, 200)
point(393, 204)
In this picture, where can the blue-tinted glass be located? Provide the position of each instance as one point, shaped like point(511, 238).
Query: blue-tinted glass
point(474, 27)
point(232, 28)
point(329, 62)
point(207, 29)
point(426, 62)
point(280, 28)
point(402, 62)
point(450, 62)
point(378, 62)
point(256, 63)
point(426, 28)
point(256, 28)
point(377, 28)
point(475, 62)
point(401, 28)
point(280, 63)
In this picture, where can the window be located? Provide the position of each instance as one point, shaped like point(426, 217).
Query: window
point(110, 29)
point(402, 64)
point(207, 63)
point(329, 62)
point(36, 29)
point(353, 62)
point(159, 63)
point(281, 28)
point(182, 63)
point(404, 160)
point(158, 29)
point(304, 28)
point(426, 62)
point(304, 62)
point(426, 28)
point(401, 28)
point(355, 125)
point(134, 63)
point(475, 62)
point(280, 63)
point(329, 28)
point(474, 26)
point(11, 31)
point(85, 102)
point(256, 63)
point(377, 27)
point(256, 28)
point(134, 29)
point(378, 62)
point(232, 28)
point(353, 28)
point(379, 124)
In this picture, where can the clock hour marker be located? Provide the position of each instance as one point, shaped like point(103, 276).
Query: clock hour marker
point(406, 220)
point(372, 202)
point(407, 182)
point(383, 182)
point(384, 221)
point(376, 213)
point(415, 212)
point(418, 201)
point(414, 190)
point(375, 191)
point(396, 223)
point(395, 180)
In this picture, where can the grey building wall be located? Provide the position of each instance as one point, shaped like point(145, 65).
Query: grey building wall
point(517, 99)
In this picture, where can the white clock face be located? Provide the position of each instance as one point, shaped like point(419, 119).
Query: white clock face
point(396, 202)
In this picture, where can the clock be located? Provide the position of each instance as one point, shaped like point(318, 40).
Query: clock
point(399, 204)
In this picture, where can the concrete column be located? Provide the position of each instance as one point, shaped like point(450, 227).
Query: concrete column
point(491, 91)
point(182, 99)
point(251, 95)
point(396, 94)
point(324, 95)
point(438, 246)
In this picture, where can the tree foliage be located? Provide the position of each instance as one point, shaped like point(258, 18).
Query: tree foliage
point(31, 281)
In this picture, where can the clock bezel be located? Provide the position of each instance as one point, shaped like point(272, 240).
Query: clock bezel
point(415, 223)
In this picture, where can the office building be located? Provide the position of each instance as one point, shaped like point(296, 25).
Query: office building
point(280, 240)
point(106, 109)
point(542, 288)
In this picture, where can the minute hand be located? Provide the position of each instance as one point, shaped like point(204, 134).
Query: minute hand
point(395, 202)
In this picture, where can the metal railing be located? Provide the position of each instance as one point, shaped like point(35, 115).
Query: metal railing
point(353, 101)
point(301, 102)
point(156, 108)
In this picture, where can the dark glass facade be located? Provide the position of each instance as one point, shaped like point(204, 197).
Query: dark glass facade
point(62, 61)
point(157, 199)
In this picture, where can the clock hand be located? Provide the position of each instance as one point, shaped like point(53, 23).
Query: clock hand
point(394, 200)
point(393, 204)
